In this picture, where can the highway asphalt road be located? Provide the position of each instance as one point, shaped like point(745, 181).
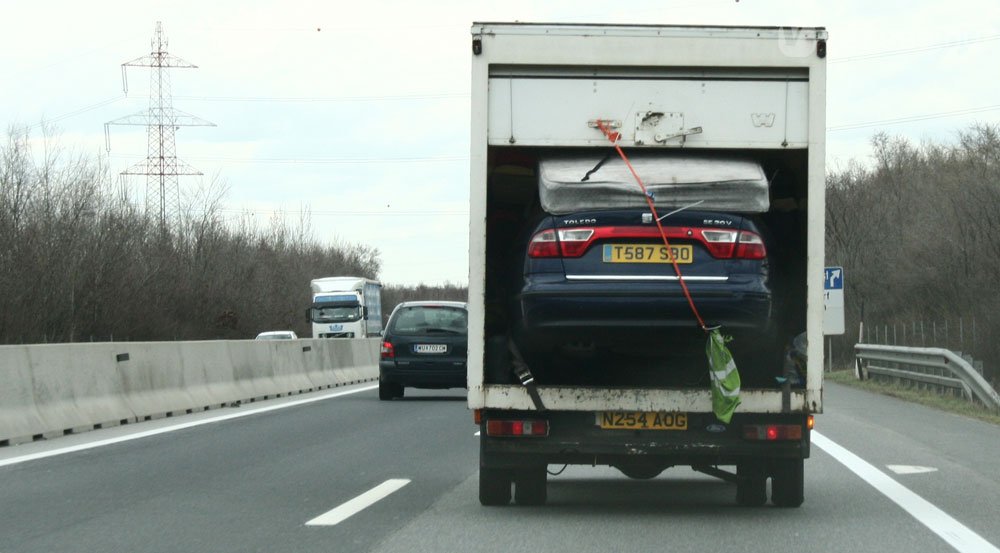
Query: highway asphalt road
point(341, 471)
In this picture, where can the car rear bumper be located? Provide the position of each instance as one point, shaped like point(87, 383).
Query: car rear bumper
point(424, 376)
point(576, 304)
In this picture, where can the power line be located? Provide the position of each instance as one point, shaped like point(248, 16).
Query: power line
point(309, 99)
point(911, 118)
point(400, 213)
point(324, 161)
point(915, 49)
point(91, 107)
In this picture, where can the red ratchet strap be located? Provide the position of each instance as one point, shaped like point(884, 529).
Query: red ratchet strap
point(614, 136)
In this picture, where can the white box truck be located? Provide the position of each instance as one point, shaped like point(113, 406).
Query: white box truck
point(345, 307)
point(563, 369)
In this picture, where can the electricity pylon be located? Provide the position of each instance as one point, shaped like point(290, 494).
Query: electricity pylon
point(161, 165)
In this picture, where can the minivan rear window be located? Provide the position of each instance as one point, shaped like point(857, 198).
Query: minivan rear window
point(431, 319)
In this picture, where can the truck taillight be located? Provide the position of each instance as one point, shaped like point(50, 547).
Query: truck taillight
point(562, 243)
point(517, 428)
point(387, 351)
point(772, 432)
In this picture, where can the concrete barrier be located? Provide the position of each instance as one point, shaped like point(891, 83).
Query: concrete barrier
point(365, 359)
point(252, 369)
point(289, 361)
point(77, 386)
point(152, 380)
point(19, 418)
point(208, 374)
point(51, 390)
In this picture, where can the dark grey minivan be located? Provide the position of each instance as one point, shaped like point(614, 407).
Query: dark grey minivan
point(424, 346)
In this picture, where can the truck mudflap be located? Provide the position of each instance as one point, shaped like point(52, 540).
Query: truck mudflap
point(695, 439)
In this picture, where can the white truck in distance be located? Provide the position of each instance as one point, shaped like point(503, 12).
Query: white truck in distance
point(345, 307)
point(554, 94)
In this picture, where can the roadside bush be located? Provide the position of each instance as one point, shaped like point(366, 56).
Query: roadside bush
point(918, 234)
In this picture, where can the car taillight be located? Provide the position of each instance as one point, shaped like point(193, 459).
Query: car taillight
point(730, 244)
point(750, 246)
point(544, 244)
point(720, 243)
point(562, 243)
point(574, 242)
point(387, 352)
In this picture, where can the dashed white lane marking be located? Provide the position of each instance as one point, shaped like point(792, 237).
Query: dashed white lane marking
point(950, 530)
point(359, 503)
point(175, 427)
point(910, 469)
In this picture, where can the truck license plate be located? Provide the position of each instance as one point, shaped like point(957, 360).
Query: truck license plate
point(430, 348)
point(611, 420)
point(646, 253)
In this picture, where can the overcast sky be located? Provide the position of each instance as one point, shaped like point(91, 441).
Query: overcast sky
point(359, 111)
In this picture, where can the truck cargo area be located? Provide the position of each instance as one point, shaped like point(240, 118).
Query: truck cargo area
point(629, 350)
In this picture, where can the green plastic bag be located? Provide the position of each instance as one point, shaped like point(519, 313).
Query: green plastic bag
point(725, 377)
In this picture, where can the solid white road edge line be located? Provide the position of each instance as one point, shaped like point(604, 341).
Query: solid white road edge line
point(359, 503)
point(950, 530)
point(182, 426)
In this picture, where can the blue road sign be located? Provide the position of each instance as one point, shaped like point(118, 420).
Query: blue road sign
point(833, 278)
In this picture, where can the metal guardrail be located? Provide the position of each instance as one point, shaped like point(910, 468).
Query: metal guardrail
point(913, 364)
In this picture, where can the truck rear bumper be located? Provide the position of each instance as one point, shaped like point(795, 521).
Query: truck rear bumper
point(576, 438)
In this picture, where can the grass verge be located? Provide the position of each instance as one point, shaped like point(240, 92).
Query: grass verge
point(955, 405)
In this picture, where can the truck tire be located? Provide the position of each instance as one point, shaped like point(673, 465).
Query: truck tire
point(494, 486)
point(787, 482)
point(389, 390)
point(751, 484)
point(530, 487)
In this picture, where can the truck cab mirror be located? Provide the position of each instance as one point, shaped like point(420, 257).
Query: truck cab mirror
point(364, 313)
point(308, 315)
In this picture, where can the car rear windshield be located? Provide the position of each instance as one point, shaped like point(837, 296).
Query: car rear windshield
point(431, 319)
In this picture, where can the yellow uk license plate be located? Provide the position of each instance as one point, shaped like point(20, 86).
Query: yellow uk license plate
point(634, 420)
point(647, 253)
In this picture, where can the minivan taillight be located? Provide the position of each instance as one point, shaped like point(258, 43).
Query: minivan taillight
point(387, 352)
point(561, 243)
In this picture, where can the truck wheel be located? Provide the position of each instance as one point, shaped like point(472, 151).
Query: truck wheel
point(787, 482)
point(530, 487)
point(494, 486)
point(751, 484)
point(389, 390)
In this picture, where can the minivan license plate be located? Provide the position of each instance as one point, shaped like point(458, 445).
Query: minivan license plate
point(646, 253)
point(430, 348)
point(632, 420)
